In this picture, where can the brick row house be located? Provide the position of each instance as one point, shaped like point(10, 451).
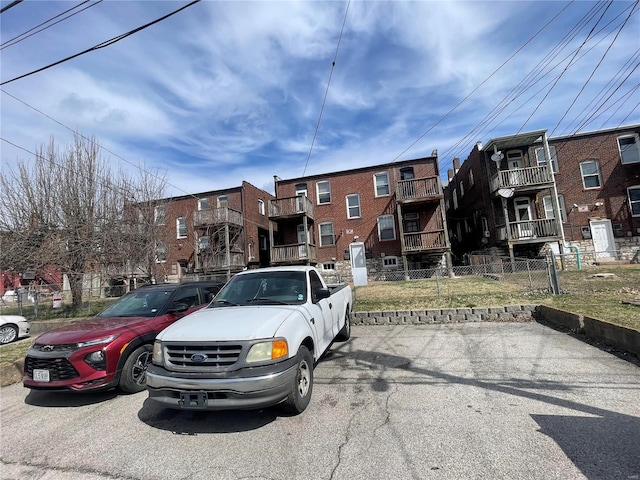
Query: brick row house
point(520, 195)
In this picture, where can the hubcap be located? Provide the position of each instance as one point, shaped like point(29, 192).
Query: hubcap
point(304, 379)
point(139, 371)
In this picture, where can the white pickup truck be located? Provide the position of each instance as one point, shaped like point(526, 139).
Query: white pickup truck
point(255, 345)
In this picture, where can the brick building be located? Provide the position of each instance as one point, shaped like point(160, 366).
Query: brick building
point(395, 209)
point(522, 194)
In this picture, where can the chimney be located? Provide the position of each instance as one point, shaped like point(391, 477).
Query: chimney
point(456, 164)
point(450, 174)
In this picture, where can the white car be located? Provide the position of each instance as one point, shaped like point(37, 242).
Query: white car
point(13, 327)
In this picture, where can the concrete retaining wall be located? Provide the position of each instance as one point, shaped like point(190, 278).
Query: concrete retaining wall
point(511, 313)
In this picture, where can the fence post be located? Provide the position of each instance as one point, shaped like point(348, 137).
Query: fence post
point(529, 273)
point(438, 284)
point(553, 274)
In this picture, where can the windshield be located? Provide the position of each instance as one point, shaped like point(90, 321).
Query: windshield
point(267, 288)
point(143, 303)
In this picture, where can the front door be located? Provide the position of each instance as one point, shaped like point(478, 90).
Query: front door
point(523, 217)
point(603, 242)
point(515, 163)
point(302, 249)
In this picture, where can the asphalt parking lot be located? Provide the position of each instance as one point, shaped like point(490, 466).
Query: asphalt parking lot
point(457, 401)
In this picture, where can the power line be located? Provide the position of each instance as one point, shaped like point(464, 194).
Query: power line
point(326, 92)
point(103, 44)
point(24, 35)
point(11, 5)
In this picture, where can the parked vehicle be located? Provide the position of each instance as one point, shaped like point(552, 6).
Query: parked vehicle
point(13, 327)
point(112, 349)
point(254, 346)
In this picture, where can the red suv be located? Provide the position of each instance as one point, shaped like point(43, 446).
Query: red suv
point(112, 349)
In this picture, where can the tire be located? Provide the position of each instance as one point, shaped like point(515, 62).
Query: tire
point(8, 333)
point(345, 333)
point(134, 373)
point(302, 387)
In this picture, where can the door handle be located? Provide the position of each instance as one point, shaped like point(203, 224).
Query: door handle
point(313, 320)
point(330, 305)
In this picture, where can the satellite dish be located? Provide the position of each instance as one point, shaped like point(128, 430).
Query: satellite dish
point(506, 192)
point(497, 157)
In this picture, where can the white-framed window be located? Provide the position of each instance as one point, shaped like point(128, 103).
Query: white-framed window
point(471, 178)
point(629, 146)
point(548, 207)
point(542, 160)
point(381, 181)
point(590, 171)
point(223, 201)
point(390, 262)
point(203, 243)
point(159, 214)
point(329, 266)
point(261, 207)
point(181, 227)
point(461, 188)
point(353, 206)
point(204, 204)
point(323, 190)
point(386, 227)
point(301, 189)
point(454, 196)
point(326, 234)
point(161, 253)
point(634, 200)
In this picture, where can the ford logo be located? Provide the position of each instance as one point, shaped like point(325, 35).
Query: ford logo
point(198, 357)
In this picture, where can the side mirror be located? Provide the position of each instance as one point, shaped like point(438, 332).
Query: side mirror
point(322, 293)
point(178, 308)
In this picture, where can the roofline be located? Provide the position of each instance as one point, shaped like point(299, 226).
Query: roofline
point(633, 126)
point(497, 140)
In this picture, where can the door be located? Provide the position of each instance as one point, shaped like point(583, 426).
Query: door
point(321, 314)
point(302, 249)
point(603, 242)
point(523, 217)
point(515, 162)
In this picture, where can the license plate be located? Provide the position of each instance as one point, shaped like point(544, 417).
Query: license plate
point(41, 375)
point(197, 400)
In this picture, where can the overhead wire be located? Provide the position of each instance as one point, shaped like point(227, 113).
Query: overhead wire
point(104, 44)
point(11, 5)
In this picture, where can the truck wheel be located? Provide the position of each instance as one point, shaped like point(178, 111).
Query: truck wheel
point(134, 373)
point(345, 332)
point(302, 386)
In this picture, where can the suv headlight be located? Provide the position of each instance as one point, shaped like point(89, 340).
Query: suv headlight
point(157, 353)
point(98, 341)
point(265, 351)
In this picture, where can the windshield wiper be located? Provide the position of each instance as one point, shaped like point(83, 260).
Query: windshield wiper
point(267, 300)
point(224, 302)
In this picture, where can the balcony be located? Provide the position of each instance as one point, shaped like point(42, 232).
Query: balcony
point(290, 207)
point(419, 190)
point(522, 179)
point(217, 216)
point(218, 261)
point(295, 253)
point(424, 242)
point(529, 231)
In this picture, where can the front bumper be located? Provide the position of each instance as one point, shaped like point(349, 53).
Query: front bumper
point(235, 390)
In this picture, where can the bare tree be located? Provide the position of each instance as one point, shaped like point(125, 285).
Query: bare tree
point(67, 209)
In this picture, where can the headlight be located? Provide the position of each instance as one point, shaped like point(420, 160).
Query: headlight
point(264, 351)
point(157, 353)
point(98, 341)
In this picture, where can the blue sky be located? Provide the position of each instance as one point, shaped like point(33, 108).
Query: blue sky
point(227, 91)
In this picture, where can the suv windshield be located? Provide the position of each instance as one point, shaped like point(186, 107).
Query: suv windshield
point(143, 303)
point(262, 287)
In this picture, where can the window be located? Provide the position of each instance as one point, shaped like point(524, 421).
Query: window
point(467, 228)
point(634, 200)
point(542, 160)
point(548, 207)
point(261, 207)
point(353, 206)
point(203, 204)
point(454, 195)
point(223, 201)
point(590, 174)
point(161, 253)
point(326, 234)
point(382, 184)
point(470, 178)
point(301, 189)
point(159, 215)
point(181, 227)
point(329, 266)
point(461, 188)
point(390, 262)
point(447, 204)
point(386, 227)
point(629, 146)
point(203, 243)
point(406, 173)
point(411, 223)
point(324, 192)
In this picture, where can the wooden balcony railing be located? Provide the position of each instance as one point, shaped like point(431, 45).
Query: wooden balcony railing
point(521, 178)
point(415, 242)
point(529, 229)
point(219, 261)
point(217, 216)
point(418, 189)
point(290, 207)
point(295, 253)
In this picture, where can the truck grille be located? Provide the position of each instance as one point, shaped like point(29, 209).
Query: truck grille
point(203, 356)
point(59, 368)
